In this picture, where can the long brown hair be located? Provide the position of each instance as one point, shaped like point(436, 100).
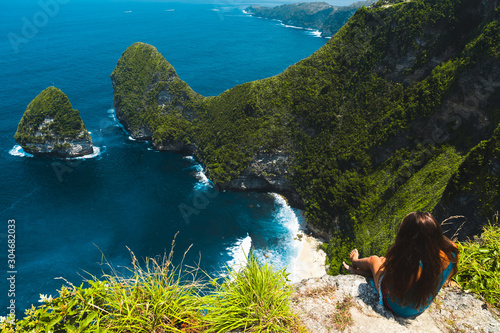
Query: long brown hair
point(419, 241)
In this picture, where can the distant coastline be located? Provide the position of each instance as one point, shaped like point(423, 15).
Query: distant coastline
point(322, 17)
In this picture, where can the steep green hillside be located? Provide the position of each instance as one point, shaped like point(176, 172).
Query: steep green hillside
point(474, 190)
point(150, 99)
point(373, 124)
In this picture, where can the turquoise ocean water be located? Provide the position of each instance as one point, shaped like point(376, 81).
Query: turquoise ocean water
point(70, 213)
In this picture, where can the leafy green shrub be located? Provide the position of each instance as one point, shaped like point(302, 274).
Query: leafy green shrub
point(479, 264)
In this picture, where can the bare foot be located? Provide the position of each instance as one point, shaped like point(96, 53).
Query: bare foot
point(351, 270)
point(354, 255)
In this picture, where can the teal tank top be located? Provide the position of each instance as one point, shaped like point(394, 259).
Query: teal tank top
point(409, 311)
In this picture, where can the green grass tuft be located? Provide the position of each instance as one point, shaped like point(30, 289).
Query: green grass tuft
point(479, 264)
point(254, 299)
point(159, 297)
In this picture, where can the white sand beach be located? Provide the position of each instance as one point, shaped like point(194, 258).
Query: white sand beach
point(311, 260)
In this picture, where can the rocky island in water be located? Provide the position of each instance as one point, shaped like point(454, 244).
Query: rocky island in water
point(50, 126)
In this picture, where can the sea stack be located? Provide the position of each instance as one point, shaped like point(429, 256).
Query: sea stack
point(50, 126)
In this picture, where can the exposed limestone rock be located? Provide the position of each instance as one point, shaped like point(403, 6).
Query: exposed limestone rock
point(266, 173)
point(315, 301)
point(50, 126)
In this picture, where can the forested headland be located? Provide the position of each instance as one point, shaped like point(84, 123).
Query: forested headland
point(398, 112)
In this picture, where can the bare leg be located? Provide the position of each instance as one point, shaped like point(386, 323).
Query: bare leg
point(366, 267)
point(354, 269)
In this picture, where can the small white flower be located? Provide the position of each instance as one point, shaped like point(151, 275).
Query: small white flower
point(45, 299)
point(2, 319)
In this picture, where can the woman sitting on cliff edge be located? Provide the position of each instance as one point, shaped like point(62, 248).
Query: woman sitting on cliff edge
point(414, 269)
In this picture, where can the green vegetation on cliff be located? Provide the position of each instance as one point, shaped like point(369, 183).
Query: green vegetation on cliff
point(150, 98)
point(479, 265)
point(158, 297)
point(375, 123)
point(50, 118)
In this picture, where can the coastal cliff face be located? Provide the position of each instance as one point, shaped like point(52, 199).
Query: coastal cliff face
point(320, 16)
point(50, 126)
point(372, 126)
point(150, 100)
point(266, 172)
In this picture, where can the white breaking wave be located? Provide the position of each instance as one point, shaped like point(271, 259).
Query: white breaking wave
point(291, 26)
point(286, 213)
point(315, 33)
point(203, 180)
point(287, 216)
point(239, 253)
point(131, 138)
point(96, 153)
point(128, 11)
point(17, 150)
point(169, 10)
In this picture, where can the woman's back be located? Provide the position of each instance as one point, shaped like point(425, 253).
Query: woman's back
point(414, 269)
point(417, 265)
point(410, 310)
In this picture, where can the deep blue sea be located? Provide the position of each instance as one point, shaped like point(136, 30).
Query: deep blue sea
point(67, 215)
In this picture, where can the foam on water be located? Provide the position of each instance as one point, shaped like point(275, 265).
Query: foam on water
point(112, 115)
point(96, 153)
point(315, 33)
point(17, 150)
point(239, 252)
point(203, 181)
point(287, 255)
point(291, 26)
